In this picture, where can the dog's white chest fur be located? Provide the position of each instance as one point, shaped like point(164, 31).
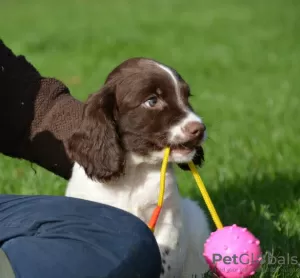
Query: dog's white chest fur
point(182, 227)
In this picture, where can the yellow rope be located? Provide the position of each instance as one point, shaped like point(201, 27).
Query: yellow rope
point(206, 197)
point(163, 176)
point(157, 210)
point(200, 184)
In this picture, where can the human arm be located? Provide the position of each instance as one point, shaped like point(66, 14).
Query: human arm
point(37, 114)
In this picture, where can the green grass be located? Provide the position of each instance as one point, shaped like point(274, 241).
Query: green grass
point(242, 60)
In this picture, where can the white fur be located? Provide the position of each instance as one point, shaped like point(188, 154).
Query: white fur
point(176, 132)
point(175, 82)
point(182, 226)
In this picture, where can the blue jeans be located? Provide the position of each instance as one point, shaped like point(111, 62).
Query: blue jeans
point(60, 237)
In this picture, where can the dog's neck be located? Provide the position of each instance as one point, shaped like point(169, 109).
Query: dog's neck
point(135, 191)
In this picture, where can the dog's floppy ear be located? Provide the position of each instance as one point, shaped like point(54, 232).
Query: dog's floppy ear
point(96, 145)
point(198, 159)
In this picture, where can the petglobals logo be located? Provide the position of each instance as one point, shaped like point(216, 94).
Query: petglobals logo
point(242, 259)
point(283, 260)
point(242, 264)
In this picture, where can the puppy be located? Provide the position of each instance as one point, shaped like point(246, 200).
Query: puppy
point(118, 150)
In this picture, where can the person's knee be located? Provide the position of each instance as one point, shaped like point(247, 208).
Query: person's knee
point(99, 255)
point(72, 233)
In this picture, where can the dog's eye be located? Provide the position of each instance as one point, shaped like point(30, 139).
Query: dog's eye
point(151, 102)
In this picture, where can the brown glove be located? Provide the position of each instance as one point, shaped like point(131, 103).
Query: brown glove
point(37, 115)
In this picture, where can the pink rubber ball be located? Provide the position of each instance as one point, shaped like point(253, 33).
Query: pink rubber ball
point(233, 252)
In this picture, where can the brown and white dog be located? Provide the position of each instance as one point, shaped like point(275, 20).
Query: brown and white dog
point(118, 149)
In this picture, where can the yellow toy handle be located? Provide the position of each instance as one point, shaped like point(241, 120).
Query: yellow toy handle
point(157, 210)
point(205, 195)
point(207, 200)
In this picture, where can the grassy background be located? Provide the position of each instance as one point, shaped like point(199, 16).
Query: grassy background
point(242, 60)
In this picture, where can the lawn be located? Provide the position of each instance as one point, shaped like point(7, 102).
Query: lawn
point(242, 61)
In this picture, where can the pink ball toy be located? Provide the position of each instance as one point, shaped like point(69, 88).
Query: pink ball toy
point(233, 252)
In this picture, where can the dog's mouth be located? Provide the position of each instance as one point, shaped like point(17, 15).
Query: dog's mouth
point(184, 148)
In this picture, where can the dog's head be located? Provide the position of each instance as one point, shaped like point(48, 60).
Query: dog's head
point(142, 108)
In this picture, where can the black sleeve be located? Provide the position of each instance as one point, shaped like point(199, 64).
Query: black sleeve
point(37, 114)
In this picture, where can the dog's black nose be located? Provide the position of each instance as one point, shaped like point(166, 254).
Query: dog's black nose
point(194, 129)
